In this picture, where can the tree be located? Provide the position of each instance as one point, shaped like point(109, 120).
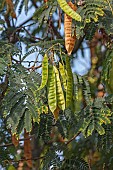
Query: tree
point(51, 117)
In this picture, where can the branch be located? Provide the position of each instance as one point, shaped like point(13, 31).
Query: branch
point(31, 35)
point(78, 44)
point(34, 68)
point(29, 19)
point(22, 160)
point(34, 3)
point(55, 31)
point(6, 145)
point(11, 144)
point(73, 138)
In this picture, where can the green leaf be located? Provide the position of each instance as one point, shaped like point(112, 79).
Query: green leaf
point(90, 129)
point(52, 99)
point(27, 121)
point(44, 72)
point(104, 119)
point(99, 129)
point(33, 111)
point(68, 10)
point(59, 91)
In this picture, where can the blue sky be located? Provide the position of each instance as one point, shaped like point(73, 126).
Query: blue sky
point(81, 64)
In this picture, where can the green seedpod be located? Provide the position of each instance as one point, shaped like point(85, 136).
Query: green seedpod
point(63, 75)
point(69, 90)
point(68, 10)
point(44, 72)
point(59, 91)
point(51, 87)
point(109, 82)
point(11, 167)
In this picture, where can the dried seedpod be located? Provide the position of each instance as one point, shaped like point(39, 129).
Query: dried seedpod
point(15, 140)
point(27, 149)
point(69, 39)
point(10, 8)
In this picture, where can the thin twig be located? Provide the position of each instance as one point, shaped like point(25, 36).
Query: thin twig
point(73, 138)
point(34, 3)
point(22, 160)
point(29, 19)
point(11, 144)
point(34, 67)
point(31, 35)
point(6, 145)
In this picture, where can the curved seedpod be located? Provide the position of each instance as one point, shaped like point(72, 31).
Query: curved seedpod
point(15, 140)
point(59, 91)
point(69, 90)
point(27, 150)
point(68, 10)
point(63, 75)
point(69, 39)
point(10, 8)
point(44, 72)
point(51, 87)
point(56, 113)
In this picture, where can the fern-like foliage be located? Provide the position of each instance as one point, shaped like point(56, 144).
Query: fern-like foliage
point(55, 158)
point(52, 158)
point(105, 141)
point(6, 52)
point(95, 14)
point(45, 11)
point(92, 27)
point(106, 22)
point(22, 101)
point(5, 137)
point(45, 127)
point(91, 10)
point(107, 71)
point(95, 115)
point(77, 163)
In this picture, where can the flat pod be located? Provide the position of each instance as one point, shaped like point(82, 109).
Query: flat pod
point(63, 75)
point(69, 91)
point(69, 39)
point(11, 167)
point(44, 72)
point(59, 91)
point(68, 10)
point(110, 80)
point(51, 88)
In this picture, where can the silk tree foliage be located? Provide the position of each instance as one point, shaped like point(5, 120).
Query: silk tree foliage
point(60, 112)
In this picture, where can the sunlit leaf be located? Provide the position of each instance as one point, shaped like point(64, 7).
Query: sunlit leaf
point(44, 72)
point(52, 98)
point(68, 10)
point(59, 91)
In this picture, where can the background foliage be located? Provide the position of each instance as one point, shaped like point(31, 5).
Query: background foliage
point(52, 117)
